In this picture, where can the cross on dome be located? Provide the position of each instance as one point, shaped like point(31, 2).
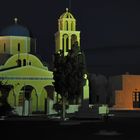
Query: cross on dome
point(67, 9)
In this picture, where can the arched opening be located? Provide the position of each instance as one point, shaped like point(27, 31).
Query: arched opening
point(66, 25)
point(24, 62)
point(5, 91)
point(12, 98)
point(65, 43)
point(30, 63)
point(72, 26)
point(19, 62)
point(49, 100)
point(18, 47)
point(28, 100)
point(73, 39)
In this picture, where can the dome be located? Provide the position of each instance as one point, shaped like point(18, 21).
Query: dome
point(67, 14)
point(15, 30)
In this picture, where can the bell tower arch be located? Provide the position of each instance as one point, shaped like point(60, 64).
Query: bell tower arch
point(66, 35)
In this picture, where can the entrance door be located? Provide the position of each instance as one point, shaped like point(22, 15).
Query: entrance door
point(136, 100)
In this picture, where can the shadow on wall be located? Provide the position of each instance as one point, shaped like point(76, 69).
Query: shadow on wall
point(100, 90)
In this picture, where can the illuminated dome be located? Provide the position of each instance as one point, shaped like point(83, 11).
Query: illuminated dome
point(15, 30)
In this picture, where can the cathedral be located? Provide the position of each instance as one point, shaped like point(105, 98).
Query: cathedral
point(31, 82)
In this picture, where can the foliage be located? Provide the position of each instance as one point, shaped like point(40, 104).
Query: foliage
point(5, 108)
point(69, 72)
point(58, 107)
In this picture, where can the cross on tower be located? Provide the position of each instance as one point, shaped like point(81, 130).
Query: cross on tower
point(15, 19)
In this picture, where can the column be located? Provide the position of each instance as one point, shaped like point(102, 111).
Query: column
point(69, 41)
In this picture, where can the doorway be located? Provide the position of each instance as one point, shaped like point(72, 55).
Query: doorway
point(26, 93)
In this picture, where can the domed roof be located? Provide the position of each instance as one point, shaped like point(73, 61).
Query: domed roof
point(67, 14)
point(15, 30)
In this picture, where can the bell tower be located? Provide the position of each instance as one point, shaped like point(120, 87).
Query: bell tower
point(66, 35)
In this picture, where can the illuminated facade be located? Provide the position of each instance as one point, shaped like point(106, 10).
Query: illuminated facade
point(33, 90)
point(126, 90)
point(67, 34)
point(31, 80)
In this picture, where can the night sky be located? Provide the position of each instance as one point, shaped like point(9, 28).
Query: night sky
point(102, 23)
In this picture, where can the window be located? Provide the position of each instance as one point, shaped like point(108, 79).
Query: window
point(19, 62)
point(67, 25)
point(21, 99)
point(133, 97)
point(18, 47)
point(72, 26)
point(30, 63)
point(67, 44)
point(73, 39)
point(24, 62)
point(137, 97)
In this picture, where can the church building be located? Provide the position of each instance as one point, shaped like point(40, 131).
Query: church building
point(32, 83)
point(19, 67)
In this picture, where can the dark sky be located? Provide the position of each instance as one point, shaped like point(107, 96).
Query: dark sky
point(101, 22)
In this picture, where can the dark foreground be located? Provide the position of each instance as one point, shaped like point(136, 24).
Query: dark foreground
point(115, 128)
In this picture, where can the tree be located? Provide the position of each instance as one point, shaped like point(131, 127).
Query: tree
point(5, 108)
point(69, 74)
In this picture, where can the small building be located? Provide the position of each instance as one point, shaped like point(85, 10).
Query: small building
point(126, 91)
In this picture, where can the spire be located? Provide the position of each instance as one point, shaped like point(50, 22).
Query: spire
point(15, 20)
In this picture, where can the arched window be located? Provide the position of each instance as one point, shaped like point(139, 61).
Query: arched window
point(30, 63)
point(72, 26)
point(67, 25)
point(4, 47)
point(73, 39)
point(19, 62)
point(24, 62)
point(18, 47)
point(65, 43)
